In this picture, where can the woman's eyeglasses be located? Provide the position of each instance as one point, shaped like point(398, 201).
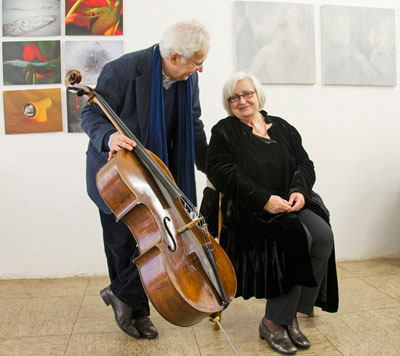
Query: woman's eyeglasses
point(236, 98)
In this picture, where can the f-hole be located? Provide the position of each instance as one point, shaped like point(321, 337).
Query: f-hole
point(172, 242)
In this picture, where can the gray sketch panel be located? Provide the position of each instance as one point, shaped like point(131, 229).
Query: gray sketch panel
point(275, 41)
point(75, 105)
point(31, 18)
point(358, 46)
point(89, 57)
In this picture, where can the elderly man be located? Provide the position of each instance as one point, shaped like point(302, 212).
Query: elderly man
point(155, 93)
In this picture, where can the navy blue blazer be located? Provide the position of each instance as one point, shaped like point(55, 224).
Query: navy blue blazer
point(125, 85)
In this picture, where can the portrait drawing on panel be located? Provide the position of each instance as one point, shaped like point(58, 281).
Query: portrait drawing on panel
point(359, 46)
point(275, 41)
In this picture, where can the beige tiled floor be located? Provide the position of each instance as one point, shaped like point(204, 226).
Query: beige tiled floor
point(67, 317)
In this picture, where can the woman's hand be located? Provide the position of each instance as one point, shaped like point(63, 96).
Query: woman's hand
point(276, 205)
point(296, 201)
point(118, 141)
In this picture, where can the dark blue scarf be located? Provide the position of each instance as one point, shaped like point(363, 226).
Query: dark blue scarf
point(157, 142)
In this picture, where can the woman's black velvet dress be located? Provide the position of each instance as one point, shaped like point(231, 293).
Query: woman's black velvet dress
point(269, 252)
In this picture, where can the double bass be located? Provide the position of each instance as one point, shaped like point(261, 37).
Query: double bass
point(186, 274)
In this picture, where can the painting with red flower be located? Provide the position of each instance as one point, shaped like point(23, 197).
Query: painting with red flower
point(33, 62)
point(93, 17)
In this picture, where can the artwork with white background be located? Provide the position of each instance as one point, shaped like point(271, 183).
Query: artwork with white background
point(28, 18)
point(359, 46)
point(89, 57)
point(275, 41)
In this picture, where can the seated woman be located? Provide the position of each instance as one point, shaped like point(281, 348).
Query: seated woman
point(276, 229)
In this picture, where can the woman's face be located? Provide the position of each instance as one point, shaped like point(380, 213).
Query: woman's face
point(245, 108)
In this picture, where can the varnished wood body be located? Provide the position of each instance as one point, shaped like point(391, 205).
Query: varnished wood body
point(180, 283)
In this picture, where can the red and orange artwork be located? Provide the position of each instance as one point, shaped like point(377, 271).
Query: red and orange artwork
point(32, 111)
point(33, 62)
point(93, 17)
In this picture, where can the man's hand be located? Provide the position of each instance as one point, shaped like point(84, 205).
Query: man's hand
point(118, 141)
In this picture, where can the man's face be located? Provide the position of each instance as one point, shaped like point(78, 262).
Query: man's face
point(182, 71)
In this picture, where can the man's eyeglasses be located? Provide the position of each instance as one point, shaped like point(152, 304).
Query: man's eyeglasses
point(236, 98)
point(196, 66)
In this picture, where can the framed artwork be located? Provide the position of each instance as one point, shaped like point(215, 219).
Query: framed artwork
point(28, 18)
point(359, 46)
point(275, 41)
point(93, 17)
point(32, 111)
point(36, 62)
point(89, 57)
point(75, 104)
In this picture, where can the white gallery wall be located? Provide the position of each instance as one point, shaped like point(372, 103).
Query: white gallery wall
point(50, 228)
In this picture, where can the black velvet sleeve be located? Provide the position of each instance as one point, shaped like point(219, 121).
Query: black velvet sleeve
point(304, 176)
point(225, 174)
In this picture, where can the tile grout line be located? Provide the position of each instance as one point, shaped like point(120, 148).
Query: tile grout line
point(77, 315)
point(326, 338)
point(381, 290)
point(197, 341)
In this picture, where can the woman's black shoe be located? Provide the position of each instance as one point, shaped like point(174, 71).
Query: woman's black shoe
point(278, 340)
point(298, 338)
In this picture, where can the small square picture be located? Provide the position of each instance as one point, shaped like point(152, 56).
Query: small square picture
point(89, 57)
point(35, 62)
point(28, 18)
point(32, 111)
point(93, 17)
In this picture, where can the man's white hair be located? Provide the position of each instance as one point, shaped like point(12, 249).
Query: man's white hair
point(185, 39)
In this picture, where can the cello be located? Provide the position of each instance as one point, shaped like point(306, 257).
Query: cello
point(186, 274)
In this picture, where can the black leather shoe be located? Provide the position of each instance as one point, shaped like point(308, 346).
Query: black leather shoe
point(278, 340)
point(122, 313)
point(298, 338)
point(145, 327)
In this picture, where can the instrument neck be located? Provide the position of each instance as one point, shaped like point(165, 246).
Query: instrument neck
point(139, 149)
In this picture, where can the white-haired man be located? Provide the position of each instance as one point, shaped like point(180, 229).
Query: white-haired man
point(155, 93)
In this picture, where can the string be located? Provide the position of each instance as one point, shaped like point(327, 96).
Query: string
point(151, 163)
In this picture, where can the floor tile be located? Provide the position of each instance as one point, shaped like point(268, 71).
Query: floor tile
point(342, 273)
point(245, 339)
point(47, 287)
point(96, 284)
point(179, 342)
point(24, 317)
point(363, 334)
point(62, 317)
point(379, 266)
point(389, 284)
point(30, 346)
point(356, 295)
point(95, 317)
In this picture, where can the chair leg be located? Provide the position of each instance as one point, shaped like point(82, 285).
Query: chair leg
point(312, 314)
